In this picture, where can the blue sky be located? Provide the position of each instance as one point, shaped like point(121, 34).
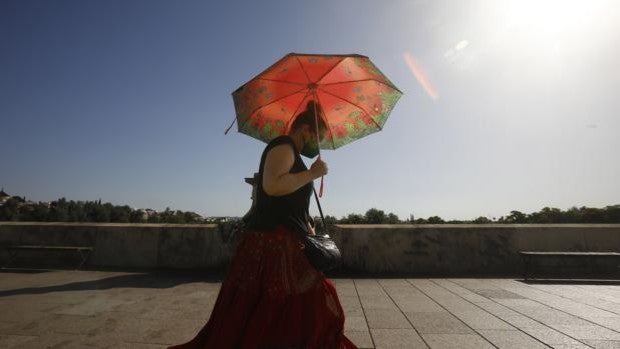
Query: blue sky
point(128, 101)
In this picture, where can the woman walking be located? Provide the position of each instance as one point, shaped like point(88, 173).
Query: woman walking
point(272, 297)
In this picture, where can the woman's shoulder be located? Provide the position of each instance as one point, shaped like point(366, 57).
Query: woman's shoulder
point(280, 140)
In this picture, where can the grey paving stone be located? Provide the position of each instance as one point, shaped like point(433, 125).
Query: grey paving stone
point(556, 302)
point(355, 323)
point(559, 318)
point(63, 340)
point(361, 339)
point(9, 314)
point(32, 327)
point(92, 309)
point(511, 339)
point(522, 304)
point(570, 346)
point(580, 295)
point(141, 306)
point(612, 323)
point(378, 302)
point(72, 324)
point(598, 344)
point(12, 341)
point(5, 325)
point(522, 322)
point(127, 329)
point(137, 345)
point(353, 312)
point(552, 337)
point(591, 332)
point(501, 294)
point(456, 341)
point(397, 338)
point(172, 314)
point(481, 320)
point(461, 291)
point(497, 309)
point(351, 306)
point(346, 290)
point(381, 318)
point(350, 302)
point(437, 323)
point(418, 305)
point(395, 283)
point(177, 331)
point(368, 287)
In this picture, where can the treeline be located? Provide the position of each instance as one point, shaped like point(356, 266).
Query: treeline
point(16, 208)
point(608, 214)
point(63, 210)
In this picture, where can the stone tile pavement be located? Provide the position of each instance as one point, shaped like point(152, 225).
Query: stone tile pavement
point(113, 309)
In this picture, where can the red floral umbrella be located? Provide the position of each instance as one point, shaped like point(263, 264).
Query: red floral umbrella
point(355, 98)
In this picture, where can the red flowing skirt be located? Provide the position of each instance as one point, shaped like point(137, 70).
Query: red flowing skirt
point(272, 297)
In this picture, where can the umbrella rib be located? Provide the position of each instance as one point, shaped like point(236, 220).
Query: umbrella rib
point(282, 81)
point(357, 106)
point(264, 105)
point(328, 126)
point(302, 69)
point(295, 112)
point(361, 80)
point(331, 69)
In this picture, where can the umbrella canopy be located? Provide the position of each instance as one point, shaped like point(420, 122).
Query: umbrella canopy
point(354, 98)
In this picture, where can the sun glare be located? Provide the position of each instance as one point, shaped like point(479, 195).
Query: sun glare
point(552, 20)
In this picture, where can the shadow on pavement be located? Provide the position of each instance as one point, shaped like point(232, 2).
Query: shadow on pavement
point(570, 281)
point(145, 279)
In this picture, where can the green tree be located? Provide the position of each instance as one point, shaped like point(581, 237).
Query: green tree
point(58, 211)
point(612, 214)
point(120, 214)
point(592, 215)
point(137, 216)
point(40, 213)
point(392, 219)
point(154, 218)
point(375, 216)
point(435, 220)
point(481, 220)
point(353, 218)
point(516, 217)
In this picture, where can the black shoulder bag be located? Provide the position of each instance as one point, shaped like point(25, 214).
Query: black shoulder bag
point(320, 249)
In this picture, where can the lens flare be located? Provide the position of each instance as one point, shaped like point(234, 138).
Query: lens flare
point(418, 73)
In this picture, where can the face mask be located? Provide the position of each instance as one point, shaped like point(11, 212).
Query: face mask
point(310, 148)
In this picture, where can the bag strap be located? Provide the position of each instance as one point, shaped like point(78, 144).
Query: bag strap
point(320, 210)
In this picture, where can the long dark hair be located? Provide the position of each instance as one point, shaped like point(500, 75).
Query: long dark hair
point(306, 117)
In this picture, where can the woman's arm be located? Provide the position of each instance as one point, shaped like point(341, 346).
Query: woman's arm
point(310, 229)
point(277, 180)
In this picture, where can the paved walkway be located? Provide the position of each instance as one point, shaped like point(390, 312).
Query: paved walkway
point(82, 309)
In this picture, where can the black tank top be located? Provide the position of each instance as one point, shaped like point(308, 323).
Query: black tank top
point(291, 209)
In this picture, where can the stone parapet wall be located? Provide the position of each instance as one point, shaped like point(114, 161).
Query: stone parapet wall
point(466, 249)
point(463, 249)
point(117, 245)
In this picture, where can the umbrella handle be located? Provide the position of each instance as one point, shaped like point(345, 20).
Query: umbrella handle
point(316, 124)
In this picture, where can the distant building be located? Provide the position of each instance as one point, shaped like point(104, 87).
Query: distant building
point(3, 197)
point(221, 219)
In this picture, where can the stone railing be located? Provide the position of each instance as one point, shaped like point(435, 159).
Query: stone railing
point(467, 249)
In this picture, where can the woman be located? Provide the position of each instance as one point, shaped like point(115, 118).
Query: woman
point(271, 296)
